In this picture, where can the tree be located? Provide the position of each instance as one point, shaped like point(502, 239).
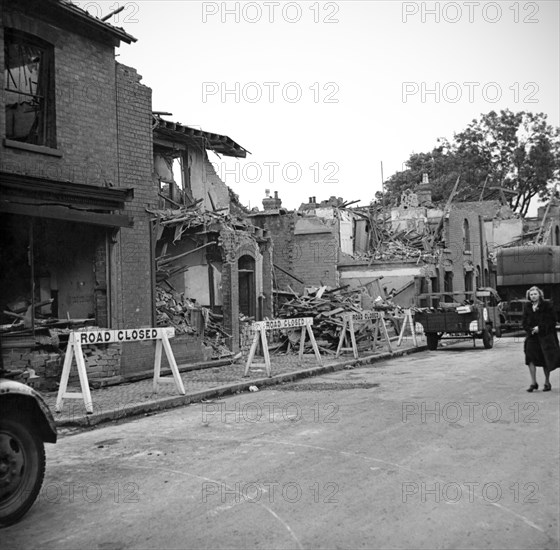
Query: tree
point(516, 151)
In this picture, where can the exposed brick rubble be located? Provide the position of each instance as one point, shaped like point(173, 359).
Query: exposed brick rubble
point(188, 317)
point(326, 306)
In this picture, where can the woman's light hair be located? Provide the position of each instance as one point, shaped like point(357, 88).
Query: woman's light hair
point(541, 294)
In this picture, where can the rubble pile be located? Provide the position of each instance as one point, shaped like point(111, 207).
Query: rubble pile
point(327, 306)
point(17, 318)
point(386, 244)
point(192, 217)
point(175, 310)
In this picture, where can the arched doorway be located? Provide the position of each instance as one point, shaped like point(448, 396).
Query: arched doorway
point(246, 271)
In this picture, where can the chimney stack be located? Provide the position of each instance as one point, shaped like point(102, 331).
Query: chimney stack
point(424, 192)
point(272, 203)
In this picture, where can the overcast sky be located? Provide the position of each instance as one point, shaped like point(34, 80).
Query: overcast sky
point(321, 93)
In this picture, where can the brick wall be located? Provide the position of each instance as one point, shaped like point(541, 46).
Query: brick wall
point(281, 230)
point(267, 252)
point(103, 138)
point(42, 368)
point(315, 259)
point(230, 300)
point(455, 245)
point(312, 257)
point(85, 121)
point(132, 296)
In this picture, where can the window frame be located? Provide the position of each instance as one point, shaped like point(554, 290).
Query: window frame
point(43, 137)
point(466, 236)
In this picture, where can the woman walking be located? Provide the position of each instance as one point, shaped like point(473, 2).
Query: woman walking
point(541, 345)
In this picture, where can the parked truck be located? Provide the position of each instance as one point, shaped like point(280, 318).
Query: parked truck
point(521, 267)
point(467, 314)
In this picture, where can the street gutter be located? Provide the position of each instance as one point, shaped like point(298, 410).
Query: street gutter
point(154, 405)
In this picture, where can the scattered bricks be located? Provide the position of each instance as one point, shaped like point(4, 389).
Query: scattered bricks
point(54, 370)
point(93, 369)
point(38, 361)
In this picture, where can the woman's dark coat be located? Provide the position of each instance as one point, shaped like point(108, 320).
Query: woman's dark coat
point(541, 349)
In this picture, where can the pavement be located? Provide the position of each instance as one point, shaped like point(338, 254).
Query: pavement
point(204, 382)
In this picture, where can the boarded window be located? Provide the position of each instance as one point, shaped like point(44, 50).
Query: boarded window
point(29, 89)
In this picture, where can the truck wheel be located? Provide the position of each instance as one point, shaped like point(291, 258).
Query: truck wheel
point(432, 340)
point(22, 468)
point(488, 338)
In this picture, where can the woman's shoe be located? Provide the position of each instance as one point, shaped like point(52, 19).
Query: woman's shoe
point(533, 387)
point(547, 387)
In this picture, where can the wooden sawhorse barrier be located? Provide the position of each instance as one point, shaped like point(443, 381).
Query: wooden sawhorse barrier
point(408, 321)
point(348, 329)
point(261, 327)
point(87, 338)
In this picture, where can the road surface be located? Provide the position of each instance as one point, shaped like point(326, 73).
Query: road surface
point(439, 449)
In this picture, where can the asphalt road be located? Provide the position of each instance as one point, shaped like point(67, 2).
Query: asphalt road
point(439, 449)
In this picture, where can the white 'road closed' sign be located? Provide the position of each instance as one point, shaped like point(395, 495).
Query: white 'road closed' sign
point(74, 351)
point(278, 324)
point(125, 335)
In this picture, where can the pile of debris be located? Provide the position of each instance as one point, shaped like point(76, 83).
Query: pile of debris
point(188, 317)
point(18, 318)
point(175, 310)
point(386, 244)
point(191, 217)
point(327, 306)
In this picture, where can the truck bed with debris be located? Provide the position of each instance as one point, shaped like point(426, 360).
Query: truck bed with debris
point(477, 317)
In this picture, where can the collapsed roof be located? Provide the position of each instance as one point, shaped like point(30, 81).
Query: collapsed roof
point(218, 143)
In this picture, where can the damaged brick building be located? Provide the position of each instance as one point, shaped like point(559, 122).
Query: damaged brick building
point(75, 179)
point(90, 206)
point(204, 250)
point(399, 252)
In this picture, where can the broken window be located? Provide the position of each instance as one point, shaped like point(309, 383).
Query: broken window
point(173, 172)
point(466, 236)
point(29, 89)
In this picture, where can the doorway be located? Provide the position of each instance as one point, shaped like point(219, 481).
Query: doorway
point(246, 271)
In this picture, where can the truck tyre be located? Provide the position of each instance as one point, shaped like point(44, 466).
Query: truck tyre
point(22, 467)
point(488, 338)
point(432, 340)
